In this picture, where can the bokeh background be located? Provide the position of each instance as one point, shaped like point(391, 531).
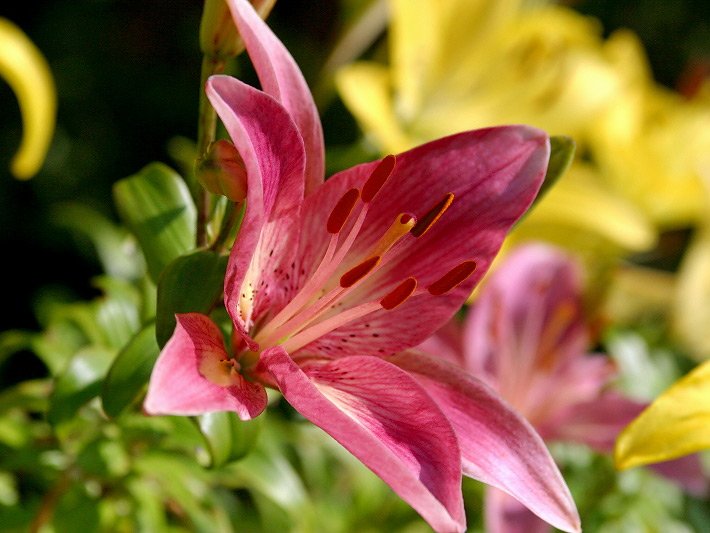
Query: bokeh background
point(127, 76)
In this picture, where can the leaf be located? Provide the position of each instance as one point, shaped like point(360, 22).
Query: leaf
point(129, 373)
point(562, 150)
point(157, 207)
point(229, 437)
point(191, 283)
point(78, 383)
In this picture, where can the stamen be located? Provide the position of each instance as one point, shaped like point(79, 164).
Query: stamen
point(434, 214)
point(378, 178)
point(399, 294)
point(355, 274)
point(399, 228)
point(452, 278)
point(342, 211)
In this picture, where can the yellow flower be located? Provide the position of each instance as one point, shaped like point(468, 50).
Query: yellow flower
point(677, 423)
point(463, 64)
point(651, 144)
point(26, 71)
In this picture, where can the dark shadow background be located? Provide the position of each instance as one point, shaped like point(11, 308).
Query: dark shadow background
point(127, 74)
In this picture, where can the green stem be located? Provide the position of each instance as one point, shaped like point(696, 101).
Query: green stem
point(206, 133)
point(228, 221)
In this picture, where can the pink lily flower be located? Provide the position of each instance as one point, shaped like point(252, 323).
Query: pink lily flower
point(527, 338)
point(328, 280)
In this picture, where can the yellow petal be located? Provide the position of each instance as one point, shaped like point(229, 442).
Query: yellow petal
point(578, 210)
point(27, 72)
point(691, 308)
point(365, 89)
point(677, 423)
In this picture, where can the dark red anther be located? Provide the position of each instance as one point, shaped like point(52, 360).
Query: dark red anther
point(434, 214)
point(378, 178)
point(399, 294)
point(355, 274)
point(340, 213)
point(452, 278)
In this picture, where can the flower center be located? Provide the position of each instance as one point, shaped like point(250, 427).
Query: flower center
point(311, 313)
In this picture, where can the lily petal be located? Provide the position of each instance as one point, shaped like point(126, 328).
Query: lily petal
point(28, 74)
point(281, 78)
point(384, 418)
point(178, 388)
point(494, 174)
point(273, 154)
point(505, 514)
point(498, 446)
point(677, 423)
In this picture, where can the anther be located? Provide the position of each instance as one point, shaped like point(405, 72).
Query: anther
point(434, 214)
point(399, 294)
point(452, 278)
point(342, 211)
point(355, 274)
point(378, 178)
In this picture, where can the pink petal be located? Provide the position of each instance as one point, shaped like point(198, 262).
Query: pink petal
point(528, 318)
point(386, 420)
point(281, 78)
point(498, 446)
point(273, 153)
point(505, 514)
point(686, 472)
point(176, 385)
point(494, 175)
point(596, 422)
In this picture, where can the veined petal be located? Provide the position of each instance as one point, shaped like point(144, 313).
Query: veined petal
point(26, 71)
point(274, 157)
point(677, 423)
point(178, 388)
point(596, 422)
point(505, 514)
point(493, 174)
point(384, 418)
point(281, 78)
point(498, 446)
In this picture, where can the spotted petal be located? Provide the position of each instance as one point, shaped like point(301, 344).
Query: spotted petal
point(273, 153)
point(281, 78)
point(177, 387)
point(386, 420)
point(494, 174)
point(498, 446)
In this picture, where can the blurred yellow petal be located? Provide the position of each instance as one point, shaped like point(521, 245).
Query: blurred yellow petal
point(578, 205)
point(677, 423)
point(635, 293)
point(691, 309)
point(27, 72)
point(365, 89)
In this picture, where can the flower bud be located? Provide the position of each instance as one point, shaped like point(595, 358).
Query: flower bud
point(223, 172)
point(218, 34)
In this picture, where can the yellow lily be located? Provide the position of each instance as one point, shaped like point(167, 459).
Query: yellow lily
point(677, 423)
point(462, 64)
point(27, 72)
point(651, 144)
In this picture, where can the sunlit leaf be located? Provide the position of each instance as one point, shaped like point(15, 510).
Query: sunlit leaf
point(129, 373)
point(191, 283)
point(157, 207)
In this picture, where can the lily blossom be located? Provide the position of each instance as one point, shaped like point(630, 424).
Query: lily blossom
point(526, 337)
point(326, 280)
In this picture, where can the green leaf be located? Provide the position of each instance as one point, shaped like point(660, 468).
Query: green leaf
point(130, 372)
point(191, 283)
point(79, 382)
point(562, 150)
point(157, 207)
point(229, 437)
